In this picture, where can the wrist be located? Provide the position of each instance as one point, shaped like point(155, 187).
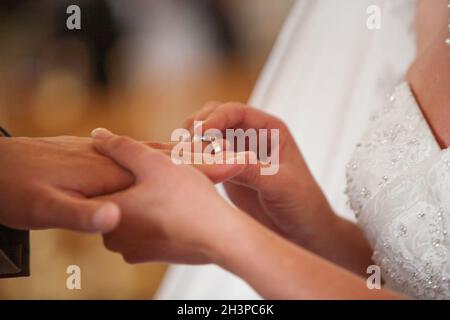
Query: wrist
point(320, 237)
point(236, 239)
point(318, 220)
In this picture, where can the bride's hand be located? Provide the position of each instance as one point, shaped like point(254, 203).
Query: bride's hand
point(165, 218)
point(289, 202)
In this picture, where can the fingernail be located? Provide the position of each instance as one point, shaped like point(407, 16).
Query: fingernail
point(105, 217)
point(101, 133)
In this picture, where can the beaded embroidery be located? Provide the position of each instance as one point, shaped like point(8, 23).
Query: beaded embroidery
point(398, 187)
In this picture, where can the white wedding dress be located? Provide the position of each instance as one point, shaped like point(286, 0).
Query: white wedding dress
point(327, 74)
point(398, 186)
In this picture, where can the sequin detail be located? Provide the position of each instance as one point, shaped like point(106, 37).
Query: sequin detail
point(398, 187)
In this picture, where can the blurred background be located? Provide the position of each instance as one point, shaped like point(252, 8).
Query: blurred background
point(138, 67)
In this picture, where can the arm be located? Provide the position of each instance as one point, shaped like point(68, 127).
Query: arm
point(166, 219)
point(310, 222)
point(342, 242)
point(278, 269)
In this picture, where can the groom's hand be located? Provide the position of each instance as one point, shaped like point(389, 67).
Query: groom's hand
point(48, 183)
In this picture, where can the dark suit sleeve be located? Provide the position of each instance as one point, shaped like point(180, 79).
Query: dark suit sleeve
point(14, 247)
point(14, 253)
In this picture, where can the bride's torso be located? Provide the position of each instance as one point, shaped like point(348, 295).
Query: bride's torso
point(399, 177)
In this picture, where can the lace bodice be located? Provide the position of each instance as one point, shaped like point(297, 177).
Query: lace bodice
point(398, 184)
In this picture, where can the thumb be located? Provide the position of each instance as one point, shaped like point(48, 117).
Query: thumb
point(66, 211)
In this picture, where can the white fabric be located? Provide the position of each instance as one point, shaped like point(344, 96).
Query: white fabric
point(398, 187)
point(326, 75)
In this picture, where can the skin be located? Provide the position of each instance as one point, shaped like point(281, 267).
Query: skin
point(153, 228)
point(49, 183)
point(52, 183)
point(429, 76)
point(278, 201)
point(65, 184)
point(277, 218)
